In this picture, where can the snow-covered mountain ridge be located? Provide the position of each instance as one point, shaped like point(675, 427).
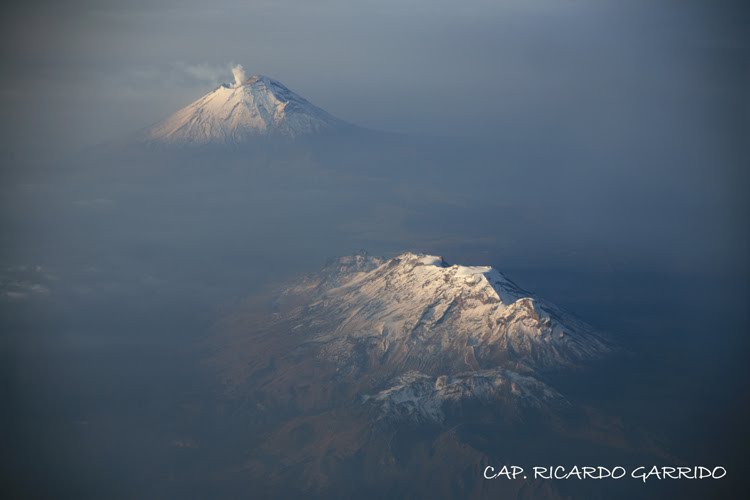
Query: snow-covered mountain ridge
point(422, 309)
point(416, 396)
point(457, 331)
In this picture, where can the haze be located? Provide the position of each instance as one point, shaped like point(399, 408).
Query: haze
point(596, 152)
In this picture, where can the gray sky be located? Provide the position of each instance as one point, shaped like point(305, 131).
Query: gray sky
point(81, 72)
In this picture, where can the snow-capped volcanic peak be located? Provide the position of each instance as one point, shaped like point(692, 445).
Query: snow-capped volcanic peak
point(458, 332)
point(420, 280)
point(458, 278)
point(249, 108)
point(425, 313)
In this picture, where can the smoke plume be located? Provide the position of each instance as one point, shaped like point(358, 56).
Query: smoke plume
point(239, 75)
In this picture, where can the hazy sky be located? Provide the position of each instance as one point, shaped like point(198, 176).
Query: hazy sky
point(616, 179)
point(80, 72)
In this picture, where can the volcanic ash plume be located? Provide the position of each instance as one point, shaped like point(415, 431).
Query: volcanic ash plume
point(239, 75)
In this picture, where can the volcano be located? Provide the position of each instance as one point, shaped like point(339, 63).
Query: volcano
point(251, 108)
